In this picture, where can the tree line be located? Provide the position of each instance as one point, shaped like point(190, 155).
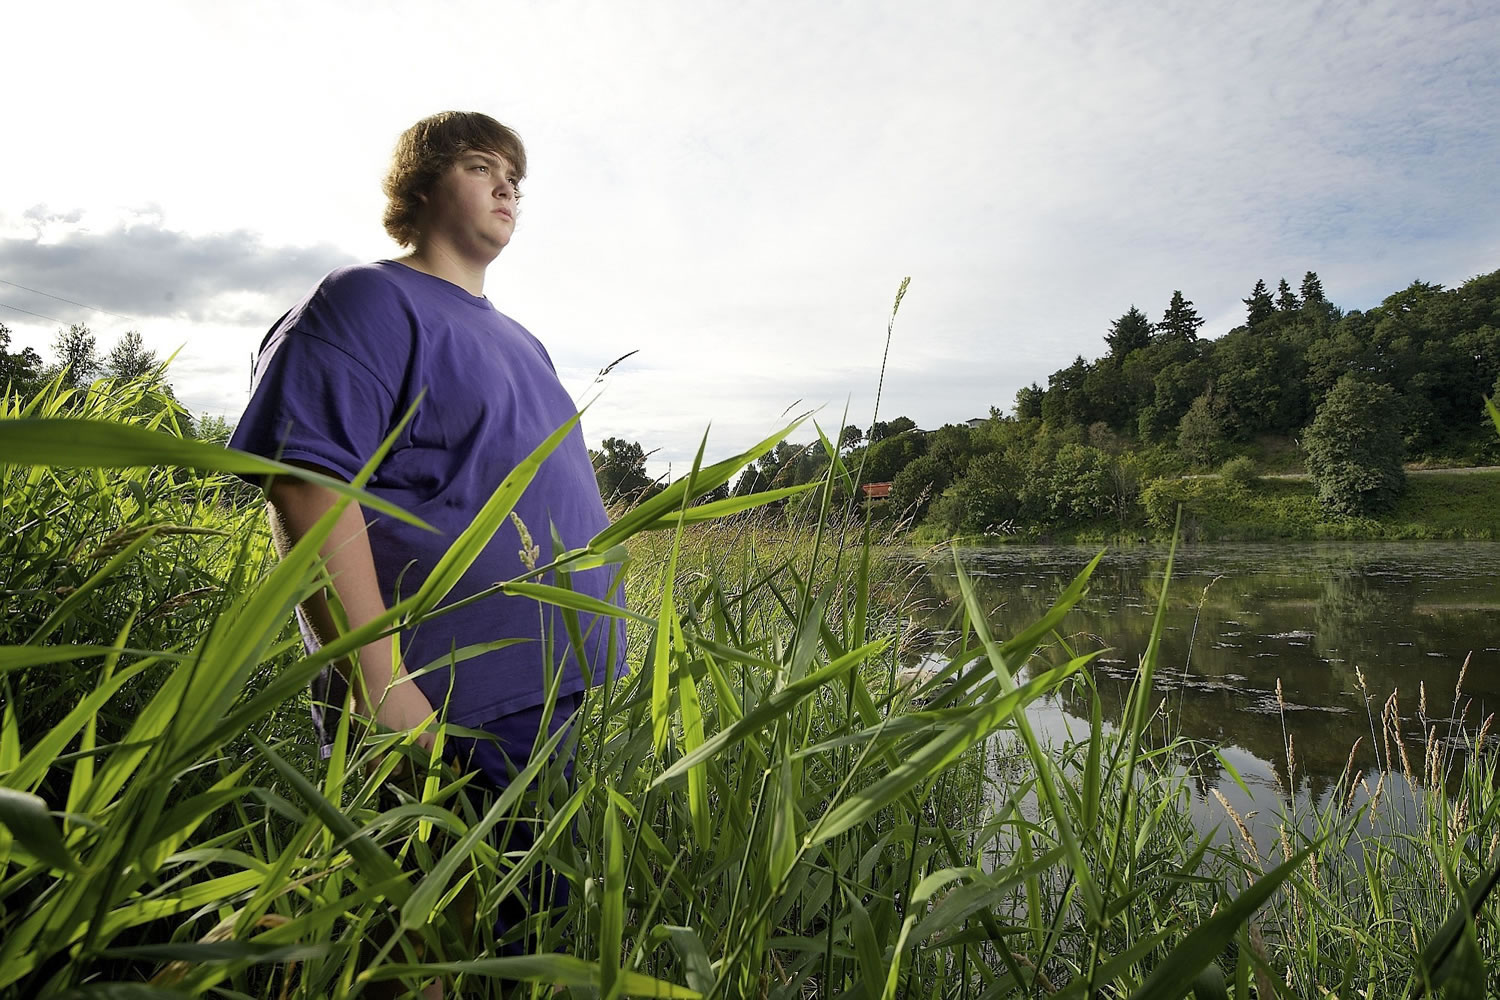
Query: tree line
point(76, 364)
point(1300, 385)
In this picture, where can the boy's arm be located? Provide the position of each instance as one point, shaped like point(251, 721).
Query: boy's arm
point(293, 507)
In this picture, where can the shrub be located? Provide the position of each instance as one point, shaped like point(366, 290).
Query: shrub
point(1240, 471)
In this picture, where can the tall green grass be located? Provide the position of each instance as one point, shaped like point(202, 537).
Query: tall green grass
point(762, 807)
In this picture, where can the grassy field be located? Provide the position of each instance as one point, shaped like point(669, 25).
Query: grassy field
point(761, 808)
point(1454, 505)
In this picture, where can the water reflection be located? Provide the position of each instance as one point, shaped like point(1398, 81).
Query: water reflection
point(1404, 616)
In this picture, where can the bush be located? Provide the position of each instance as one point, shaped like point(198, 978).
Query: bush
point(1240, 471)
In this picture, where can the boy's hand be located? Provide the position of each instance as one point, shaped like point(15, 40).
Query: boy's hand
point(403, 708)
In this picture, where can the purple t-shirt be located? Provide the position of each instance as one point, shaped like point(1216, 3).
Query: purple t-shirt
point(335, 375)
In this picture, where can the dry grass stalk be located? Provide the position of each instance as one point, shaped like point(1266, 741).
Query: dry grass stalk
point(1393, 727)
point(1347, 774)
point(1458, 687)
point(1434, 756)
point(1458, 822)
point(1252, 852)
point(1291, 767)
point(1385, 731)
point(1379, 787)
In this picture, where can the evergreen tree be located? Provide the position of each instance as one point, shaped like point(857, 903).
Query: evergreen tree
point(1181, 321)
point(1286, 299)
point(1029, 402)
point(1259, 304)
point(77, 353)
point(1312, 288)
point(1128, 333)
point(130, 358)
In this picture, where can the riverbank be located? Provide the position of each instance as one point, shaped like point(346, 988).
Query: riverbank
point(1447, 504)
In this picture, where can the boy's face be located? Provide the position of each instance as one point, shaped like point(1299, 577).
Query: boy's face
point(472, 206)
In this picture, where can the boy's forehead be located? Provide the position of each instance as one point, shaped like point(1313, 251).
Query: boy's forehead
point(492, 156)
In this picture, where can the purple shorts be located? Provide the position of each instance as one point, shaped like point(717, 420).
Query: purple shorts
point(498, 760)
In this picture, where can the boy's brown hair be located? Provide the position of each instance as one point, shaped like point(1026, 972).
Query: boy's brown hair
point(428, 148)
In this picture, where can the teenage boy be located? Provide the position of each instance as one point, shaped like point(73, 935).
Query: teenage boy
point(334, 377)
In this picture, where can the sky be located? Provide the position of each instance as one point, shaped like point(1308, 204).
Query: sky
point(735, 191)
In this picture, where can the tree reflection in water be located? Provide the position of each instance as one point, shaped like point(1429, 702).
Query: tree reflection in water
point(1240, 618)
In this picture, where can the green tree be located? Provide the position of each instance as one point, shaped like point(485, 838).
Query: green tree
point(1286, 299)
point(951, 446)
point(130, 358)
point(1066, 402)
point(750, 481)
point(1175, 387)
point(1354, 448)
point(1259, 306)
point(1312, 288)
point(850, 437)
point(213, 428)
point(720, 492)
point(1201, 434)
point(886, 458)
point(1029, 402)
point(882, 429)
point(1181, 321)
point(620, 468)
point(1081, 486)
point(985, 499)
point(1130, 332)
point(21, 371)
point(915, 486)
point(77, 356)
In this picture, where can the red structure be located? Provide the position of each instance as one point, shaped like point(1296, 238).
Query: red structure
point(876, 491)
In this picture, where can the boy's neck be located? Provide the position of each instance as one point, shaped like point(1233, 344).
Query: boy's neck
point(448, 266)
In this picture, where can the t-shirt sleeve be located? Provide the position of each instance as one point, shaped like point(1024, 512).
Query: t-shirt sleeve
point(328, 381)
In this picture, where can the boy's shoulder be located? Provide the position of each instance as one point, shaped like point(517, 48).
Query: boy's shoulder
point(359, 282)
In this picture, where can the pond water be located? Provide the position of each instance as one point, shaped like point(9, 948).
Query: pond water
point(1241, 617)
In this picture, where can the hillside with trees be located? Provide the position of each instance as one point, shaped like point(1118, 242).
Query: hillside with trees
point(1300, 387)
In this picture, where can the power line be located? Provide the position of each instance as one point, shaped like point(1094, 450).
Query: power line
point(28, 312)
point(71, 302)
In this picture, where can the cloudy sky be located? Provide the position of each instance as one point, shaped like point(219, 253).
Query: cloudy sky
point(735, 190)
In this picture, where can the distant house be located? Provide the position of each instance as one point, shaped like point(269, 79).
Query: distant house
point(876, 491)
point(976, 421)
